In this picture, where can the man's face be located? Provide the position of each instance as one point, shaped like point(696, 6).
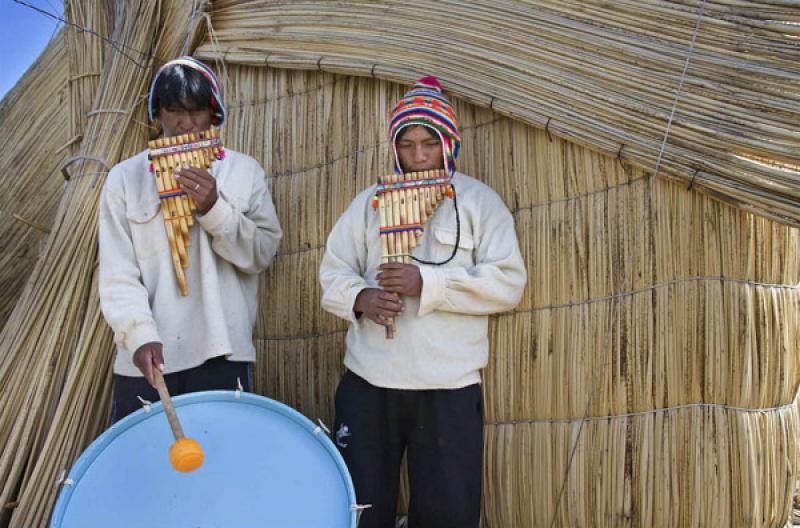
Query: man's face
point(418, 150)
point(177, 121)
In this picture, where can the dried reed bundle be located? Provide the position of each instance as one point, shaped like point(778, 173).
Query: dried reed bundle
point(596, 73)
point(686, 467)
point(33, 117)
point(703, 338)
point(55, 383)
point(696, 372)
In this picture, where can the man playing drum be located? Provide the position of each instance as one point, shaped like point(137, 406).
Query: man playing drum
point(420, 393)
point(202, 341)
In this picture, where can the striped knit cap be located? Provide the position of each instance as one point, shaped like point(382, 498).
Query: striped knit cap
point(426, 105)
point(216, 102)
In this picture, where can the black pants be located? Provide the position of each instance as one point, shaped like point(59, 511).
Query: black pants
point(442, 431)
point(215, 374)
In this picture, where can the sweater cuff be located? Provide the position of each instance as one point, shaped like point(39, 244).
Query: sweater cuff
point(433, 289)
point(216, 217)
point(350, 300)
point(141, 333)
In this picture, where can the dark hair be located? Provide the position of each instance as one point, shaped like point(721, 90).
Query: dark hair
point(182, 87)
point(431, 132)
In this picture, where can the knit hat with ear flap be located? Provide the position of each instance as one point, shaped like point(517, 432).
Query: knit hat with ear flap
point(426, 105)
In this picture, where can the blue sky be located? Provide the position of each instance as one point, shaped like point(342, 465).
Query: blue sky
point(24, 33)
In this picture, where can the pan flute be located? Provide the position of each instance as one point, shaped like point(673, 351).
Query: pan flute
point(167, 154)
point(405, 203)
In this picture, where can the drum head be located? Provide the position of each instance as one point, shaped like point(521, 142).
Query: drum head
point(265, 465)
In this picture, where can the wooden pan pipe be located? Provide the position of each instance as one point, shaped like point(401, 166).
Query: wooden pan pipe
point(405, 203)
point(166, 155)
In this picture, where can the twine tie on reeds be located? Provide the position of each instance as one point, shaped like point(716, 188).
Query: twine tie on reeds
point(35, 225)
point(615, 302)
point(63, 480)
point(359, 509)
point(83, 157)
point(321, 427)
point(649, 412)
point(146, 404)
point(691, 183)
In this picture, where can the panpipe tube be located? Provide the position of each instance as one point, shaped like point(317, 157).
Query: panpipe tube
point(178, 200)
point(415, 216)
point(409, 210)
point(178, 210)
point(383, 238)
point(172, 208)
point(176, 262)
point(401, 197)
point(398, 237)
point(391, 240)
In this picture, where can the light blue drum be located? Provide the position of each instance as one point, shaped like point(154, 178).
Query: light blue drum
point(265, 465)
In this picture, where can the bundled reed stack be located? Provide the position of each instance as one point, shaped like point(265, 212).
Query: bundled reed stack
point(684, 388)
point(44, 117)
point(649, 376)
point(597, 73)
point(33, 117)
point(54, 380)
point(652, 357)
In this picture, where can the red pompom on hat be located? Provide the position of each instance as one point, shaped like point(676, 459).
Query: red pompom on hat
point(430, 81)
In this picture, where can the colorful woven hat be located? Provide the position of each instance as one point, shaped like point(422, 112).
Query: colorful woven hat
point(426, 105)
point(216, 103)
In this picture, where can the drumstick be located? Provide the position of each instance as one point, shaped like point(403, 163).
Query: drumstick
point(185, 454)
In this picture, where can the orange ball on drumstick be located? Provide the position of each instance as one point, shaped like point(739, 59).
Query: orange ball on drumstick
point(185, 454)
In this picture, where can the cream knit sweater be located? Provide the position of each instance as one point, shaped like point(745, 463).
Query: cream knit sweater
point(441, 339)
point(231, 245)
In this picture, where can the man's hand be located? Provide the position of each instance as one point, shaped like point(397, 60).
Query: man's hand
point(200, 185)
point(148, 357)
point(402, 279)
point(378, 306)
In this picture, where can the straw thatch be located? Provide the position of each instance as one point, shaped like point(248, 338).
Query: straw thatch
point(55, 348)
point(690, 381)
point(657, 336)
point(33, 117)
point(602, 74)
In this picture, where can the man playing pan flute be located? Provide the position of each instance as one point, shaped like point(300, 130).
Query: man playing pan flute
point(419, 393)
point(203, 340)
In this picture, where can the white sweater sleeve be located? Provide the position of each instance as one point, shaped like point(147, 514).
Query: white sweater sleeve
point(494, 284)
point(123, 298)
point(343, 266)
point(247, 239)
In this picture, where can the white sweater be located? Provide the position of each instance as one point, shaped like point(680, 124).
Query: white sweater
point(231, 245)
point(441, 339)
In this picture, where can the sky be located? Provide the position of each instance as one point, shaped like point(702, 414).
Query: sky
point(24, 34)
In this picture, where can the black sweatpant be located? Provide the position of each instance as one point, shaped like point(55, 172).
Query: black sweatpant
point(442, 431)
point(215, 374)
